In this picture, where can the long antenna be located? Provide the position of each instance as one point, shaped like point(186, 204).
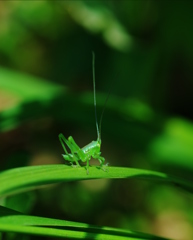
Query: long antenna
point(101, 118)
point(93, 71)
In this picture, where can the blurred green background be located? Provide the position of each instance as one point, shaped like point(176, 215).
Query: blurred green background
point(144, 54)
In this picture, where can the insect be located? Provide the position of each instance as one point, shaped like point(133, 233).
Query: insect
point(92, 149)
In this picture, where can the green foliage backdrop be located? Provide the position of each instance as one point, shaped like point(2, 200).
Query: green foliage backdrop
point(144, 54)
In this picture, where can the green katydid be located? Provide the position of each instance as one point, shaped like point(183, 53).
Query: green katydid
point(92, 149)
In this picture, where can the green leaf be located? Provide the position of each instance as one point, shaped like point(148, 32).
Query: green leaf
point(12, 221)
point(26, 178)
point(26, 98)
point(174, 147)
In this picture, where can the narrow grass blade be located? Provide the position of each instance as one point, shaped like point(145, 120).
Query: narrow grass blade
point(26, 178)
point(12, 221)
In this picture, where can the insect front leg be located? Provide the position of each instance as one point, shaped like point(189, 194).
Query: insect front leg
point(87, 166)
point(68, 157)
point(102, 165)
point(101, 161)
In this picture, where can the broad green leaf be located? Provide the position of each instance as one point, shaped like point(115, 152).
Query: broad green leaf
point(26, 178)
point(25, 97)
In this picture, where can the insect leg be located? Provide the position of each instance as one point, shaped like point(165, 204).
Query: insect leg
point(102, 166)
point(62, 140)
point(101, 161)
point(70, 157)
point(83, 156)
point(87, 166)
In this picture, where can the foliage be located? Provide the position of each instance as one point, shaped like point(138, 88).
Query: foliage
point(144, 55)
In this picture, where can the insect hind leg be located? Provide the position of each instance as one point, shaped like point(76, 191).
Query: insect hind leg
point(62, 141)
point(68, 157)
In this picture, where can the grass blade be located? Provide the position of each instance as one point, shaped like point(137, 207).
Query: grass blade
point(26, 178)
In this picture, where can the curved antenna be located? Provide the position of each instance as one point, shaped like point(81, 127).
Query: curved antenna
point(101, 118)
point(93, 71)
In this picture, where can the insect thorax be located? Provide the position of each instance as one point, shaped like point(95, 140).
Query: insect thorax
point(94, 146)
